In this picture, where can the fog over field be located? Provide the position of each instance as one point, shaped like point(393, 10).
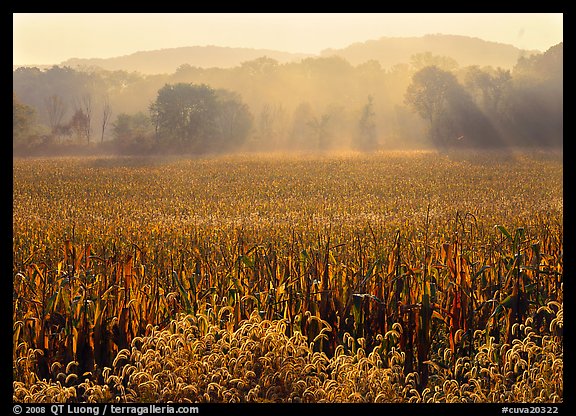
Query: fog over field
point(440, 90)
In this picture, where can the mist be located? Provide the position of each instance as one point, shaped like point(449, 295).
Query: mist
point(312, 104)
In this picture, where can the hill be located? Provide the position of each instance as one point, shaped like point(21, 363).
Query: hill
point(465, 50)
point(168, 60)
point(388, 51)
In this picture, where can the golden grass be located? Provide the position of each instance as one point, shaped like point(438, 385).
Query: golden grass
point(390, 277)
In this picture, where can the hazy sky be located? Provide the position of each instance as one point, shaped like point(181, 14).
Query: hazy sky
point(50, 38)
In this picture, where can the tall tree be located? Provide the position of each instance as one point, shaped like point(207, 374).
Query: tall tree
point(22, 121)
point(453, 117)
point(429, 94)
point(197, 118)
point(232, 121)
point(184, 112)
point(81, 121)
point(106, 114)
point(538, 98)
point(79, 124)
point(319, 126)
point(272, 125)
point(87, 110)
point(489, 88)
point(366, 139)
point(56, 110)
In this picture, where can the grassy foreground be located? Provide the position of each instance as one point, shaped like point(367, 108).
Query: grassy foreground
point(390, 277)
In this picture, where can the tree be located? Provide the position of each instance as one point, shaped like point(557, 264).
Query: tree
point(490, 88)
point(133, 133)
point(272, 125)
point(79, 124)
point(196, 118)
point(129, 127)
point(22, 121)
point(366, 139)
point(537, 102)
point(233, 122)
point(545, 66)
point(429, 94)
point(320, 131)
point(56, 110)
point(106, 114)
point(300, 133)
point(422, 60)
point(87, 110)
point(183, 113)
point(259, 66)
point(453, 117)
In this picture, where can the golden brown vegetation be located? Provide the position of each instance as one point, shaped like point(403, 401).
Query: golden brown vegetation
point(391, 277)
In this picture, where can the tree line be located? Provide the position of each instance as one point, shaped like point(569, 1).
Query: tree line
point(314, 104)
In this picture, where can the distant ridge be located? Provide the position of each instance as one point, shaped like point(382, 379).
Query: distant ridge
point(39, 66)
point(168, 60)
point(389, 51)
point(464, 49)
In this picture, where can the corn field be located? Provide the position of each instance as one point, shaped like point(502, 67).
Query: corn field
point(389, 277)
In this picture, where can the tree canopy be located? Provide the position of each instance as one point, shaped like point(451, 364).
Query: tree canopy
point(22, 121)
point(197, 118)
